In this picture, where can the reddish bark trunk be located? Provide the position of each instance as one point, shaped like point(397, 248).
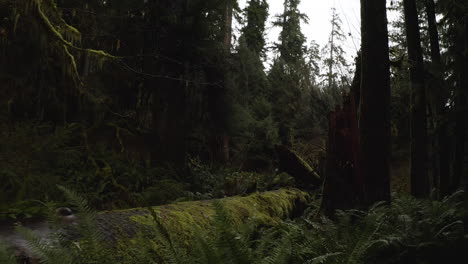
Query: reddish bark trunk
point(344, 185)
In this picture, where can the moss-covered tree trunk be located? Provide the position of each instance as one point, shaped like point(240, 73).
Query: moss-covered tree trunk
point(184, 219)
point(305, 176)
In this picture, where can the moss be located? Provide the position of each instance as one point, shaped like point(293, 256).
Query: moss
point(306, 165)
point(293, 164)
point(68, 35)
point(184, 219)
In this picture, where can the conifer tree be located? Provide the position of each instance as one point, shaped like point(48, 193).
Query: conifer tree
point(288, 70)
point(374, 119)
point(334, 53)
point(419, 177)
point(251, 123)
point(256, 14)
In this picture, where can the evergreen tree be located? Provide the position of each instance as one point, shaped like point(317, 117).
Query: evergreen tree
point(419, 177)
point(437, 97)
point(333, 52)
point(455, 39)
point(251, 124)
point(374, 112)
point(287, 75)
point(256, 14)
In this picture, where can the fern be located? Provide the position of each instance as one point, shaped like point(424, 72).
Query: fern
point(173, 252)
point(57, 248)
point(229, 241)
point(45, 249)
point(323, 258)
point(6, 257)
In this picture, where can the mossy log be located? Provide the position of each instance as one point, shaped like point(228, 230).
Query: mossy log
point(305, 176)
point(184, 219)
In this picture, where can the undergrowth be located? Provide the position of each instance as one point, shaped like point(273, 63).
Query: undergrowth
point(36, 156)
point(407, 231)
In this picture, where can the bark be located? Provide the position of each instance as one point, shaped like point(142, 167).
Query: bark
point(161, 104)
point(344, 187)
point(227, 46)
point(356, 85)
point(228, 25)
point(433, 32)
point(438, 98)
point(461, 61)
point(419, 177)
point(374, 117)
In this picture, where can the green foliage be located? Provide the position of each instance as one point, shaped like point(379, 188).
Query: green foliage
point(34, 158)
point(37, 156)
point(6, 256)
point(336, 75)
point(80, 243)
point(256, 14)
point(408, 231)
point(251, 124)
point(210, 182)
point(291, 47)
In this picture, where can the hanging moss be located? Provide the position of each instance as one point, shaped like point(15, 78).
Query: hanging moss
point(67, 35)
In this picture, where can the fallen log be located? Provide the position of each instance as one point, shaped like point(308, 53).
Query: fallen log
point(183, 220)
point(305, 176)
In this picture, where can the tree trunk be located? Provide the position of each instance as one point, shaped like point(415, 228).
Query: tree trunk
point(419, 177)
point(375, 98)
point(437, 99)
point(356, 85)
point(332, 46)
point(185, 221)
point(344, 186)
point(461, 64)
point(228, 25)
point(227, 46)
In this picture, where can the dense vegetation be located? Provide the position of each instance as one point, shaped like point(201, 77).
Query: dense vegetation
point(148, 102)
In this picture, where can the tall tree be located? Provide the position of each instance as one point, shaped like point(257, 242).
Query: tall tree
point(288, 70)
point(375, 98)
point(461, 95)
point(437, 97)
point(334, 53)
point(227, 42)
point(251, 125)
point(419, 177)
point(254, 32)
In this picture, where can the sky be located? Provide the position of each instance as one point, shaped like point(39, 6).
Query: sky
point(319, 27)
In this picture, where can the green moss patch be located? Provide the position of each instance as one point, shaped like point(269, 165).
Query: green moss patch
point(184, 219)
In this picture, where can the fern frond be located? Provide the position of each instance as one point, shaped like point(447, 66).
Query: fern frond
point(207, 252)
point(44, 249)
point(6, 256)
point(173, 253)
point(229, 241)
point(323, 258)
point(76, 200)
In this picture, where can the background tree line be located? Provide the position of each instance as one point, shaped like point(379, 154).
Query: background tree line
point(151, 93)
